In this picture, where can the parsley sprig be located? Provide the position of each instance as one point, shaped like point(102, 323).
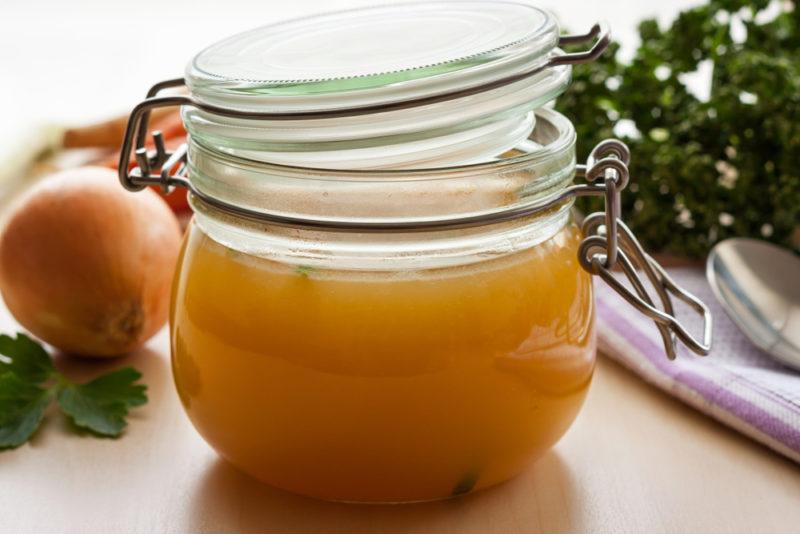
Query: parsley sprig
point(29, 383)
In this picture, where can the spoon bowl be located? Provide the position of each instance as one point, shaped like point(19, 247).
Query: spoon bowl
point(758, 285)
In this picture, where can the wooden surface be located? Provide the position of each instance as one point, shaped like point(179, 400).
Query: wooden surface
point(635, 461)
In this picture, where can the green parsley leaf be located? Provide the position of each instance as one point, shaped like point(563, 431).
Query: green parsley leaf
point(102, 404)
point(29, 382)
point(22, 407)
point(25, 358)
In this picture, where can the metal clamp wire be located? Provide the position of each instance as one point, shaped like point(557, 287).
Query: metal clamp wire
point(631, 258)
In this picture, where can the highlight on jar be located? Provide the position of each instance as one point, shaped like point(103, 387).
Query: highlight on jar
point(397, 263)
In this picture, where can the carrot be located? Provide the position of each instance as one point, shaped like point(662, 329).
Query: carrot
point(107, 134)
point(177, 198)
point(171, 127)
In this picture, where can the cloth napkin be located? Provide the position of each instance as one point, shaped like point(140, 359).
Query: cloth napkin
point(737, 384)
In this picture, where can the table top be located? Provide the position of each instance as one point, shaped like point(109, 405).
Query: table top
point(635, 460)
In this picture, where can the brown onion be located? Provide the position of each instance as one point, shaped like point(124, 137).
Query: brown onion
point(87, 266)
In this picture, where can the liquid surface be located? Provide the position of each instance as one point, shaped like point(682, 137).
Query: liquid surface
point(382, 386)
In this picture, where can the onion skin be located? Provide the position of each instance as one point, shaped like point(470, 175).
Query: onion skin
point(87, 266)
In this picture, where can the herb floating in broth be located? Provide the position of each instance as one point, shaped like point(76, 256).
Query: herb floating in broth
point(467, 483)
point(29, 383)
point(304, 270)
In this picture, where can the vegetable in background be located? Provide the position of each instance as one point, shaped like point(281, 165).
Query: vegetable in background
point(703, 171)
point(171, 127)
point(87, 266)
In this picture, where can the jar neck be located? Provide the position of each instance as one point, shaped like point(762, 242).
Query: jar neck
point(536, 168)
point(375, 252)
point(465, 144)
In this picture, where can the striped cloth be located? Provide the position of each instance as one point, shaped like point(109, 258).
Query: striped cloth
point(737, 384)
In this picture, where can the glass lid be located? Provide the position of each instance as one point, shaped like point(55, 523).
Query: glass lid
point(372, 55)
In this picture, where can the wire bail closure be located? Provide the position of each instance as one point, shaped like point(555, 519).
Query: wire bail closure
point(608, 242)
point(173, 175)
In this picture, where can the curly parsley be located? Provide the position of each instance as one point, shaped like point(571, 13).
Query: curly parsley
point(703, 169)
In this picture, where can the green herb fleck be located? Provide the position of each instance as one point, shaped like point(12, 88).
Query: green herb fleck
point(232, 253)
point(304, 270)
point(467, 483)
point(22, 407)
point(29, 382)
point(25, 358)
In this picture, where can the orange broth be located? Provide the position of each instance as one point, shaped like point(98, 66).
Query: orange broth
point(382, 386)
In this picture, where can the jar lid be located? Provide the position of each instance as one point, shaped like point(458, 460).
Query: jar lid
point(374, 55)
point(369, 59)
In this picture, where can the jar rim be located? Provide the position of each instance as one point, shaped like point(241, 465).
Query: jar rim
point(565, 139)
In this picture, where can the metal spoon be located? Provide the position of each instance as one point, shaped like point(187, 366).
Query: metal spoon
point(758, 285)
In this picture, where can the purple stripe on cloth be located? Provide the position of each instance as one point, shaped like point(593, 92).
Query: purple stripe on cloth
point(652, 350)
point(761, 390)
point(681, 372)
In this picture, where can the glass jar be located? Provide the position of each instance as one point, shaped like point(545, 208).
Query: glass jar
point(367, 367)
point(382, 296)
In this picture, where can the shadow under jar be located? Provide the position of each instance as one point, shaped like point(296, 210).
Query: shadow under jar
point(333, 333)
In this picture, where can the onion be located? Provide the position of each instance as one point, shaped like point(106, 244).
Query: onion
point(87, 266)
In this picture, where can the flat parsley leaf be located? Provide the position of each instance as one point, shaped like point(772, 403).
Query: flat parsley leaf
point(22, 407)
point(102, 404)
point(29, 382)
point(25, 358)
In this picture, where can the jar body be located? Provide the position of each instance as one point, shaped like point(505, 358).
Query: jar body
point(382, 385)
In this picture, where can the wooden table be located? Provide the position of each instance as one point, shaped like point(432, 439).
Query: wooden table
point(635, 461)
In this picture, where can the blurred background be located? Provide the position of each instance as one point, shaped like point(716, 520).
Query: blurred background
point(711, 159)
point(83, 60)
